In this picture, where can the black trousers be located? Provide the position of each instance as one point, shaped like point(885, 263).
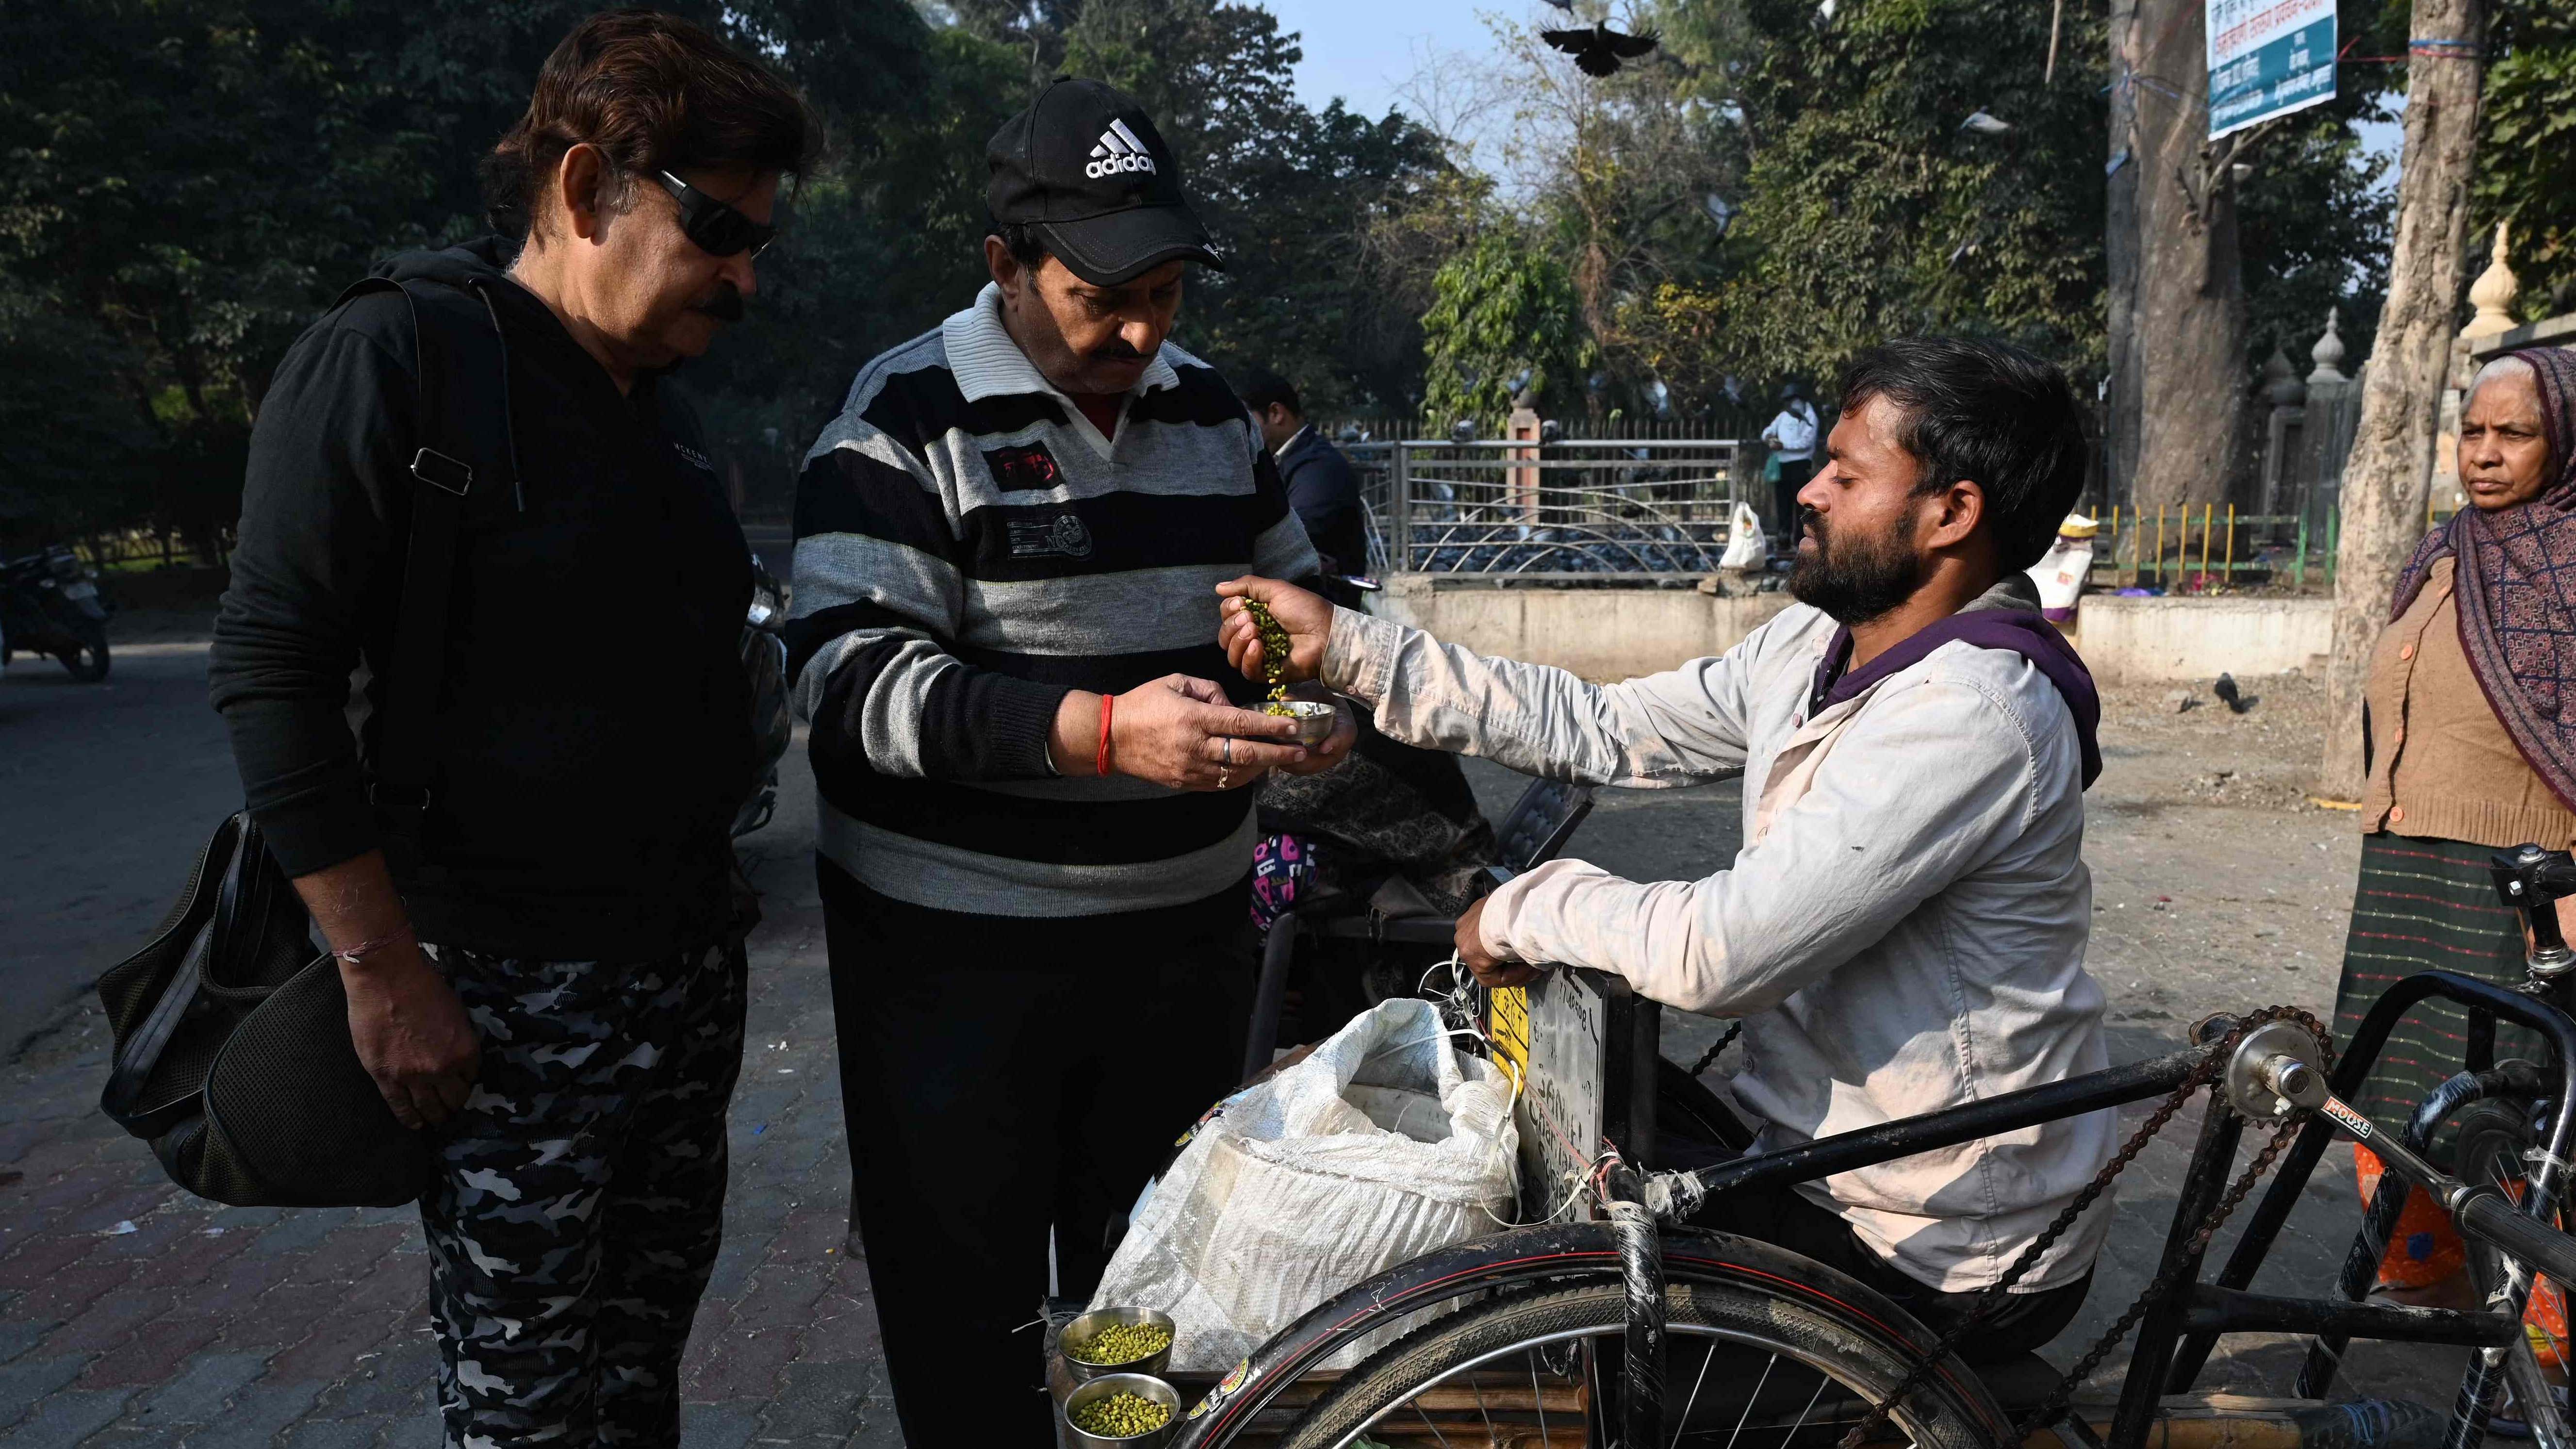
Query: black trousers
point(1782, 1216)
point(1001, 1078)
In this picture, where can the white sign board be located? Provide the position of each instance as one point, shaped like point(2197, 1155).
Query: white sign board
point(2268, 58)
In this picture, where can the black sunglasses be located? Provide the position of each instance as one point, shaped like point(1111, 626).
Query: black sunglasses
point(718, 229)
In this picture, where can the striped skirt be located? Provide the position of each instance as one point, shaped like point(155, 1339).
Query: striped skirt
point(2422, 905)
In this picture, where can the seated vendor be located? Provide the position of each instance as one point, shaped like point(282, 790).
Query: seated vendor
point(1904, 928)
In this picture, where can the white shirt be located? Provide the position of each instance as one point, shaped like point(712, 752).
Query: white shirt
point(1903, 931)
point(1795, 430)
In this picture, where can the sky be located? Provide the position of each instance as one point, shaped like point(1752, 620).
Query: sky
point(1365, 51)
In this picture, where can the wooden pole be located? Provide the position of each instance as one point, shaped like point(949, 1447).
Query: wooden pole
point(2160, 545)
point(2231, 544)
point(2205, 511)
point(2389, 474)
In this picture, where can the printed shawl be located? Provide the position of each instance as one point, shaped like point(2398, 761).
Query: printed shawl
point(2514, 580)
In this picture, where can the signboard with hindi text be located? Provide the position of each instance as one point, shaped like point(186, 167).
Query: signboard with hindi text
point(2268, 58)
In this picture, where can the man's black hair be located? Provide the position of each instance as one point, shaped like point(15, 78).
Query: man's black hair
point(1261, 387)
point(1991, 413)
point(1021, 240)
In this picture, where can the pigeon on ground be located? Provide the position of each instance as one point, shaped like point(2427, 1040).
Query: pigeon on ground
point(1600, 50)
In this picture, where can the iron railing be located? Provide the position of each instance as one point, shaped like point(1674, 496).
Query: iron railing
point(1592, 508)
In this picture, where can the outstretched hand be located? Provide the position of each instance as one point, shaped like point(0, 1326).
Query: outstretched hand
point(1308, 618)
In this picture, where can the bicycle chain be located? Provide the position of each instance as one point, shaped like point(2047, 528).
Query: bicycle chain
point(2205, 1074)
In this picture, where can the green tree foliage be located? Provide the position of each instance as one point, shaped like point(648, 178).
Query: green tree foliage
point(1870, 209)
point(1500, 308)
point(2526, 168)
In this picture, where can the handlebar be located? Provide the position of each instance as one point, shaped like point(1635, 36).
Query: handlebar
point(2489, 1216)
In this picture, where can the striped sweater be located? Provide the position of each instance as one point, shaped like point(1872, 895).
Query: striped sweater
point(969, 549)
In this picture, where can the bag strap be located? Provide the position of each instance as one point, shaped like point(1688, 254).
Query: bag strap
point(463, 441)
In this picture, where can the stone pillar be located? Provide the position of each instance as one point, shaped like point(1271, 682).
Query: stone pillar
point(2284, 430)
point(1523, 477)
point(2492, 295)
point(2325, 433)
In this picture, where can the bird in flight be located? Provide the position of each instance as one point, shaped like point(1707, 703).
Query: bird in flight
point(1600, 50)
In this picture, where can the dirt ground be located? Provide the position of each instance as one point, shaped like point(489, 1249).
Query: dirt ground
point(2218, 886)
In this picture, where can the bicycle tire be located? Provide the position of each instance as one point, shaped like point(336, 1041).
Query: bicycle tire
point(1840, 1349)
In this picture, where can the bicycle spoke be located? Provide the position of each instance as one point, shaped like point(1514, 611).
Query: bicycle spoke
point(1681, 1425)
point(1537, 1397)
point(1426, 1423)
point(1812, 1400)
point(1754, 1398)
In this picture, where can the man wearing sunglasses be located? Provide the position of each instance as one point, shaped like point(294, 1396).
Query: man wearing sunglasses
point(531, 908)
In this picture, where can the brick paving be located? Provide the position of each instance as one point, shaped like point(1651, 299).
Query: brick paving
point(132, 1314)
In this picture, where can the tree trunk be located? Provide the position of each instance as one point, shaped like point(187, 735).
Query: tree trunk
point(2127, 374)
point(2190, 305)
point(2385, 481)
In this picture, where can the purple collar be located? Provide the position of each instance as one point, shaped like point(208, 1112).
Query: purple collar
point(2024, 633)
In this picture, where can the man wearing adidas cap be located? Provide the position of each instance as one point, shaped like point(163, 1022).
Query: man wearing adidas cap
point(1036, 808)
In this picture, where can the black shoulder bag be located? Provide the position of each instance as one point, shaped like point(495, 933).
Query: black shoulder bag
point(233, 1056)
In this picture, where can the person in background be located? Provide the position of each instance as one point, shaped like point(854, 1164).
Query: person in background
point(1321, 486)
point(1035, 846)
point(1791, 435)
point(549, 970)
point(2469, 750)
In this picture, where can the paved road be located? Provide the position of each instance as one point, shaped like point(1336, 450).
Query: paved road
point(106, 791)
point(133, 1316)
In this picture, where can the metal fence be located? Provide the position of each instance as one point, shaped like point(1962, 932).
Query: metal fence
point(1571, 508)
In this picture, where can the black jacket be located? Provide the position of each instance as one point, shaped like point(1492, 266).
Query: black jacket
point(594, 732)
point(1326, 494)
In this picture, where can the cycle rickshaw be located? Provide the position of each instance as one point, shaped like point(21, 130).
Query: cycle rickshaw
point(1612, 1326)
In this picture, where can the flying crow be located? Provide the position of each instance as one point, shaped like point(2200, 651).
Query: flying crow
point(1599, 50)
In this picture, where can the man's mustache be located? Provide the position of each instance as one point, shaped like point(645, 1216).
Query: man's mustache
point(1116, 349)
point(724, 306)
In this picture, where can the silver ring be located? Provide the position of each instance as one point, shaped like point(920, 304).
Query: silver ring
point(1226, 758)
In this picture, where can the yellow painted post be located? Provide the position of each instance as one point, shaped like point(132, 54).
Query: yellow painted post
point(2115, 544)
point(2205, 512)
point(2231, 544)
point(2160, 545)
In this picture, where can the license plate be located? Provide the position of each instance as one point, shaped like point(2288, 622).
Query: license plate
point(80, 589)
point(1571, 1036)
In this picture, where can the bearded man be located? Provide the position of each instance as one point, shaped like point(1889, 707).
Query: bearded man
point(1904, 928)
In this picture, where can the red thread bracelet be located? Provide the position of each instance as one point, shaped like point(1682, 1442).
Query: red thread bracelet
point(1100, 761)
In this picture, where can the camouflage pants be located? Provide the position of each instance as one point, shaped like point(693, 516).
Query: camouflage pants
point(582, 1197)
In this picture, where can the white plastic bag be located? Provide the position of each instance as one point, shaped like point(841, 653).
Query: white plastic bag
point(1382, 1145)
point(2060, 573)
point(1747, 551)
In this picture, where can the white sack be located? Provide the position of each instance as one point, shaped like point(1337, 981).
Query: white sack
point(1747, 551)
point(2060, 575)
point(1382, 1145)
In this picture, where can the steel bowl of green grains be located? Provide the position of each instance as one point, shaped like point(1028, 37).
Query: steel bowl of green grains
point(1129, 1411)
point(1314, 718)
point(1116, 1341)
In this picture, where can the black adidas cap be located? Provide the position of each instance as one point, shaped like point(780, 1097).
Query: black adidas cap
point(1085, 168)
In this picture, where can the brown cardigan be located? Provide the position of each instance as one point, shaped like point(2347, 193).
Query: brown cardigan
point(2442, 766)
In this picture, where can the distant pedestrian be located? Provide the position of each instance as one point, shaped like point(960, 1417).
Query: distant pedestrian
point(1321, 486)
point(542, 951)
point(1791, 436)
point(1037, 825)
point(2467, 751)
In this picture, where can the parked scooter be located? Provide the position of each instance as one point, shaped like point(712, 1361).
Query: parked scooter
point(764, 658)
point(49, 604)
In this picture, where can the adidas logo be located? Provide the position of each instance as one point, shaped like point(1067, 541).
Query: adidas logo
point(1119, 150)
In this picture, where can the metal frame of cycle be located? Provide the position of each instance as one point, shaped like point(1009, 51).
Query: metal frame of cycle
point(2179, 1327)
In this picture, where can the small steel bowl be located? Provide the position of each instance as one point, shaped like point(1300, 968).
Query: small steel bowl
point(1101, 1388)
point(1081, 1329)
point(1315, 719)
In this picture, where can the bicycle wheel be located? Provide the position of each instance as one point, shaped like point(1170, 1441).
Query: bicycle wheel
point(1539, 1370)
point(2493, 1138)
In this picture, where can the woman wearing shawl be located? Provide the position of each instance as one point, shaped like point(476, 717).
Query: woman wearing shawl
point(2468, 751)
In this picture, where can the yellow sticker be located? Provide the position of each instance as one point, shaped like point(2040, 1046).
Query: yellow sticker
point(1507, 1022)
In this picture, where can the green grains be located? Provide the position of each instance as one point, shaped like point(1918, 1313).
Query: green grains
point(1121, 1343)
point(1120, 1415)
point(1274, 654)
